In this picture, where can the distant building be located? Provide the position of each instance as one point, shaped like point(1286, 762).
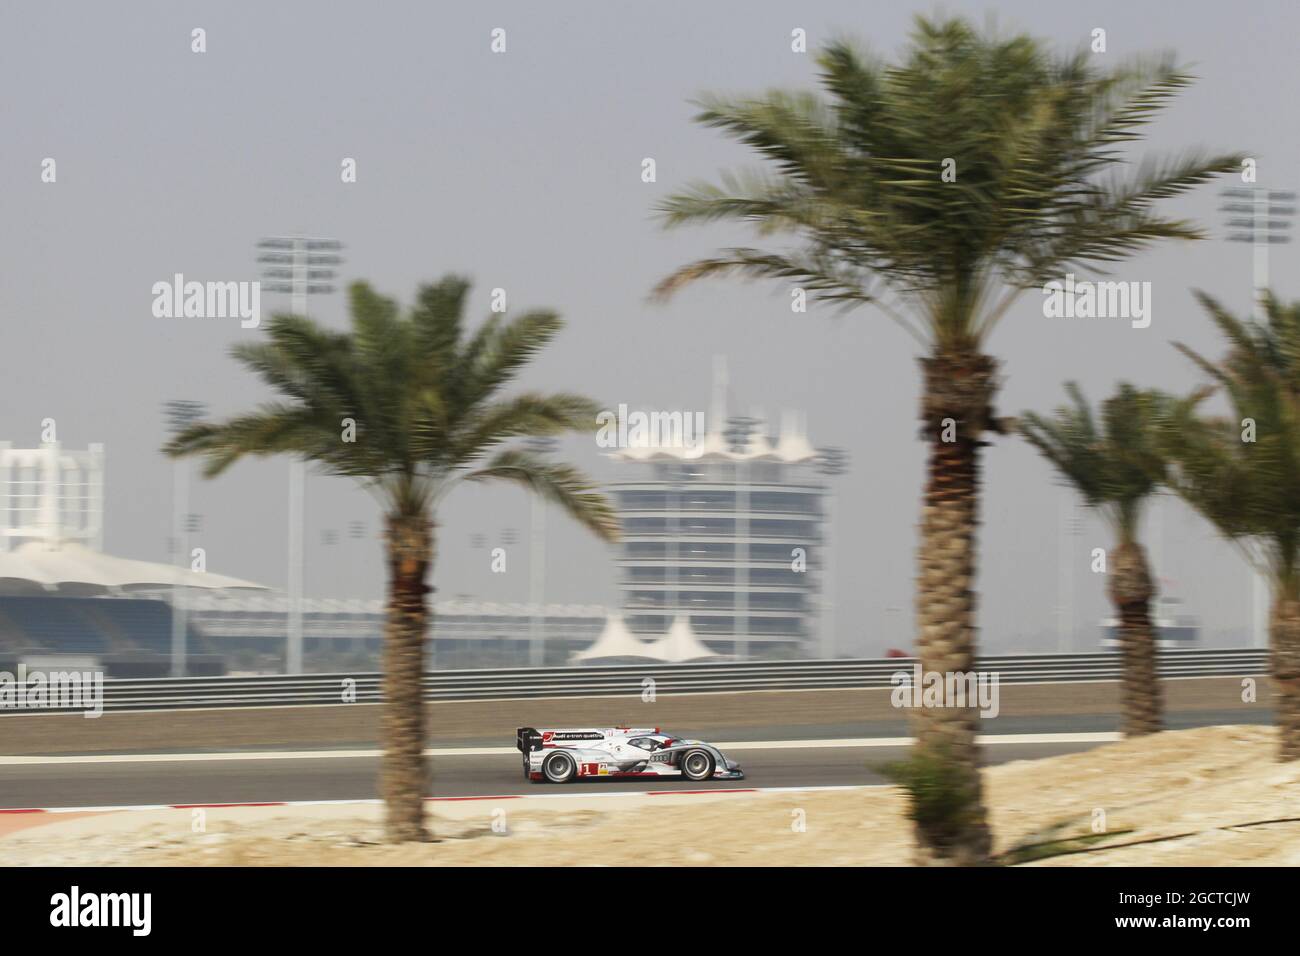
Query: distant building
point(62, 595)
point(726, 534)
point(1174, 629)
point(51, 494)
point(249, 630)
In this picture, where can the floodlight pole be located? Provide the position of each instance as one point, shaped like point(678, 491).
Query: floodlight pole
point(298, 265)
point(831, 463)
point(1067, 530)
point(180, 414)
point(297, 501)
point(181, 543)
point(1268, 216)
point(540, 446)
point(738, 432)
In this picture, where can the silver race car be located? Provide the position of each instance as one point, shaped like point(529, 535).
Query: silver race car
point(574, 753)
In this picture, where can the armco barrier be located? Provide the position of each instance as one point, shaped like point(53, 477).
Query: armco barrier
point(700, 678)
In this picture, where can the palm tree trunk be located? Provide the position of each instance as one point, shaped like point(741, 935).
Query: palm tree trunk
point(955, 411)
point(1131, 591)
point(409, 540)
point(1284, 669)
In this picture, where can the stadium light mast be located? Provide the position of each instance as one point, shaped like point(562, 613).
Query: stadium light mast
point(1261, 217)
point(831, 463)
point(298, 266)
point(1068, 528)
point(738, 433)
point(179, 415)
point(540, 446)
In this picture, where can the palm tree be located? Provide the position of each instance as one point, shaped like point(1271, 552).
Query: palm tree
point(936, 190)
point(1116, 468)
point(1243, 473)
point(409, 406)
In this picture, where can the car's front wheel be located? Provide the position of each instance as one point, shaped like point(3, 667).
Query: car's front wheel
point(697, 765)
point(559, 768)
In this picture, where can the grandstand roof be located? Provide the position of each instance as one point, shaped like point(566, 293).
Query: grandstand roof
point(37, 567)
point(276, 602)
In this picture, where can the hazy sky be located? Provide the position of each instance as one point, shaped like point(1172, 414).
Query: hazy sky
point(523, 170)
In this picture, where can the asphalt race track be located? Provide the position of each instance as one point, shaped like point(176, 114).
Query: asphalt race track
point(95, 781)
point(349, 778)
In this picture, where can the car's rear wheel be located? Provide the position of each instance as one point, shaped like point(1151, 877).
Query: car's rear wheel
point(559, 768)
point(697, 765)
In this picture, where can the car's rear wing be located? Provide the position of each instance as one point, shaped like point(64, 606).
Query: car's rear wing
point(528, 738)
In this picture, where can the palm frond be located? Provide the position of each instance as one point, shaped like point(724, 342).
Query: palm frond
point(275, 428)
point(504, 350)
point(562, 484)
point(853, 176)
point(1115, 467)
point(530, 414)
point(404, 403)
point(1243, 473)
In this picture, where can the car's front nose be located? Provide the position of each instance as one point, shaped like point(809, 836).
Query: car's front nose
point(728, 770)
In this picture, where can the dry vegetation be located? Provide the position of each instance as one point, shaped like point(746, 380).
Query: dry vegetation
point(1211, 796)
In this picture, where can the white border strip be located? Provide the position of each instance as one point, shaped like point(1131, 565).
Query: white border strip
point(579, 795)
point(834, 743)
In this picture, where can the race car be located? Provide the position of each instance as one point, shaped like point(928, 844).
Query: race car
point(565, 754)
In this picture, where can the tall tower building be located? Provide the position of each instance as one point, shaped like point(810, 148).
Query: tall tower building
point(726, 533)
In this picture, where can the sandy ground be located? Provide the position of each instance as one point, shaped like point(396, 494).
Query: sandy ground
point(1204, 797)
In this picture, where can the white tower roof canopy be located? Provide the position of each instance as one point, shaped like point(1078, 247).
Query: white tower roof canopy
point(793, 445)
point(617, 641)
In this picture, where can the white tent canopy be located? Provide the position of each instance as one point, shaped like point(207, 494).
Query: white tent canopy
point(617, 641)
point(36, 567)
point(680, 643)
